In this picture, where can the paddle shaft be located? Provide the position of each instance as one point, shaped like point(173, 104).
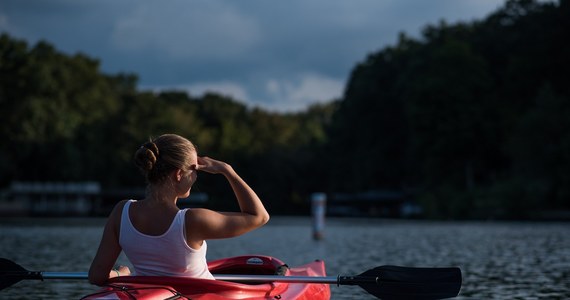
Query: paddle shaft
point(276, 278)
point(338, 280)
point(21, 275)
point(64, 275)
point(223, 277)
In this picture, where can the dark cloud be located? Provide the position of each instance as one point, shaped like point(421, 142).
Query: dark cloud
point(281, 55)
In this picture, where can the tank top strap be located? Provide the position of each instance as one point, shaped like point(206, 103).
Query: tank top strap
point(180, 220)
point(125, 220)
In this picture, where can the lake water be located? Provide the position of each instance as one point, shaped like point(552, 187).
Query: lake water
point(499, 260)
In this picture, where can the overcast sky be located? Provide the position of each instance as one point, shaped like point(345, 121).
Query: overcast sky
point(279, 55)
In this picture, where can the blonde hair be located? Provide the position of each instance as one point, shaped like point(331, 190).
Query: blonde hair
point(159, 157)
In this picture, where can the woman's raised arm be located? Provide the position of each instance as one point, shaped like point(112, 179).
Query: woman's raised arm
point(208, 224)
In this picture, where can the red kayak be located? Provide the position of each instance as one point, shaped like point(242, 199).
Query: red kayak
point(154, 287)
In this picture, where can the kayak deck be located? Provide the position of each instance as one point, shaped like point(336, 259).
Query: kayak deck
point(157, 287)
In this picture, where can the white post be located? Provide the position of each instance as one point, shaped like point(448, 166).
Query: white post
point(318, 209)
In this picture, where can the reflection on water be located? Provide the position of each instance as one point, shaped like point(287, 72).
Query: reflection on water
point(498, 260)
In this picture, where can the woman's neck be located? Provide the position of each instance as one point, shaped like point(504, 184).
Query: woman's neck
point(160, 195)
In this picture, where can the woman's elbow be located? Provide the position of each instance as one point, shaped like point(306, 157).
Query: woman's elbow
point(264, 219)
point(258, 220)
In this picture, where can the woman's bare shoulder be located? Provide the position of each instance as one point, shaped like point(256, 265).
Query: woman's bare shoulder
point(115, 216)
point(201, 218)
point(119, 207)
point(198, 214)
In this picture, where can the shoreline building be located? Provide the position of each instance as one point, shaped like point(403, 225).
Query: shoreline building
point(72, 199)
point(50, 198)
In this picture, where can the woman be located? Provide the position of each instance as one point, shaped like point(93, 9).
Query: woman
point(158, 238)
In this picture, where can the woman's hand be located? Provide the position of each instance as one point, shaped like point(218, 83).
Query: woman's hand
point(212, 166)
point(120, 271)
point(124, 270)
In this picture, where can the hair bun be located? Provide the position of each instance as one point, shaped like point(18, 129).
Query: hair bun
point(146, 156)
point(153, 148)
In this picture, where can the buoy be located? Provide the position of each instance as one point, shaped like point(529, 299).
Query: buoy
point(318, 209)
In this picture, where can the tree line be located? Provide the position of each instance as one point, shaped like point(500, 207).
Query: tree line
point(471, 119)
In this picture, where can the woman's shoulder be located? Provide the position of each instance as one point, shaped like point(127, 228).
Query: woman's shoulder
point(193, 214)
point(114, 219)
point(118, 209)
point(199, 217)
point(196, 223)
point(199, 213)
point(121, 204)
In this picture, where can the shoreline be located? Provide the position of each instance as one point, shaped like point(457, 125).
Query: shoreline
point(276, 220)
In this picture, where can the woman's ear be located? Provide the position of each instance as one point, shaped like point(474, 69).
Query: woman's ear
point(178, 175)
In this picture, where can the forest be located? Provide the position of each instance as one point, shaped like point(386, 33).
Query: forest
point(471, 119)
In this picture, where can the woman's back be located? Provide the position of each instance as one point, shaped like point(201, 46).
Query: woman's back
point(162, 254)
point(151, 219)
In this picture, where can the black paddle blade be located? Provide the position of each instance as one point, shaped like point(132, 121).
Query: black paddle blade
point(7, 270)
point(393, 282)
point(11, 273)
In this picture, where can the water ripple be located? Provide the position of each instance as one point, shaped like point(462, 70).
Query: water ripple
point(498, 260)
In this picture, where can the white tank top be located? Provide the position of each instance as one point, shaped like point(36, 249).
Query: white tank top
point(162, 255)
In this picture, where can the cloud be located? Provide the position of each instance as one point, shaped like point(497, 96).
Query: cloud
point(187, 29)
point(226, 88)
point(6, 25)
point(307, 89)
point(281, 95)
